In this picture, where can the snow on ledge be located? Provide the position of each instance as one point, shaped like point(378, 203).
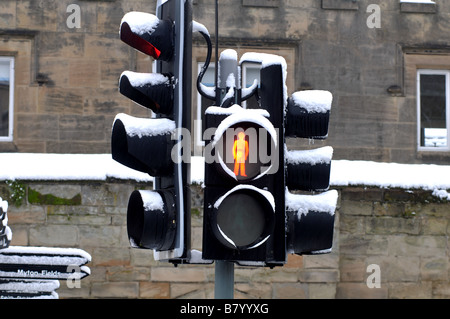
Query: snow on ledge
point(390, 175)
point(417, 1)
point(36, 166)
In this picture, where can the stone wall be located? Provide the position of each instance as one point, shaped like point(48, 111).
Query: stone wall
point(403, 232)
point(340, 47)
point(66, 78)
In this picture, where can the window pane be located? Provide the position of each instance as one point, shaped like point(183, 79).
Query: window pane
point(433, 127)
point(208, 80)
point(203, 103)
point(250, 72)
point(4, 98)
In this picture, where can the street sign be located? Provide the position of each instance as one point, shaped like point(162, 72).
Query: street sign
point(22, 262)
point(28, 289)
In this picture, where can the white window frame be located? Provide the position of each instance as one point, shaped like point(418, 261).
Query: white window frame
point(245, 67)
point(447, 109)
point(198, 119)
point(9, 138)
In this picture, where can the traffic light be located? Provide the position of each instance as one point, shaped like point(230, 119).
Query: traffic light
point(243, 181)
point(239, 212)
point(310, 218)
point(158, 219)
point(250, 215)
point(305, 222)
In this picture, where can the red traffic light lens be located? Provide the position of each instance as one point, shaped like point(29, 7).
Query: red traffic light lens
point(147, 33)
point(130, 38)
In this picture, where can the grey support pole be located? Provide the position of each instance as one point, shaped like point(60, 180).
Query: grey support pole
point(224, 280)
point(224, 270)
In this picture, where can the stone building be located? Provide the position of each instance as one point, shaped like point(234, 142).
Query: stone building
point(387, 64)
point(368, 54)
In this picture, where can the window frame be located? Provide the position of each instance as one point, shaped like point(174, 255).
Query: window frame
point(244, 69)
point(198, 122)
point(9, 137)
point(198, 118)
point(446, 73)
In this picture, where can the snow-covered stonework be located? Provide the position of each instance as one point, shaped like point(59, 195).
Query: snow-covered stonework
point(391, 215)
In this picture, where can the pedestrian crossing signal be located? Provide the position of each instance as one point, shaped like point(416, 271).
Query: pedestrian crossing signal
point(240, 154)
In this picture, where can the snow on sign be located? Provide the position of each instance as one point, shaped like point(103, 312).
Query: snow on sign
point(28, 289)
point(21, 262)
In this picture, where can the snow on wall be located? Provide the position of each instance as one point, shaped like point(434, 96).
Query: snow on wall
point(390, 175)
point(418, 1)
point(35, 166)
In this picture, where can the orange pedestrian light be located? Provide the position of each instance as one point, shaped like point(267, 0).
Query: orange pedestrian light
point(240, 154)
point(244, 144)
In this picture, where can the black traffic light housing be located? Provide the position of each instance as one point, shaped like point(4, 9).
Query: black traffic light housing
point(255, 220)
point(244, 215)
point(158, 219)
point(310, 218)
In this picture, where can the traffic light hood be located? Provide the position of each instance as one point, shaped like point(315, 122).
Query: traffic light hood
point(147, 33)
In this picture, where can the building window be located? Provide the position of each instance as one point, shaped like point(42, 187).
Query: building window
point(418, 6)
point(250, 72)
point(433, 110)
point(6, 98)
point(203, 103)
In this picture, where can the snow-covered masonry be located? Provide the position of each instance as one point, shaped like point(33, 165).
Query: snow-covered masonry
point(101, 167)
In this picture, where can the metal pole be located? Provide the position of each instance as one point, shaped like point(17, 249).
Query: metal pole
point(216, 52)
point(224, 270)
point(224, 281)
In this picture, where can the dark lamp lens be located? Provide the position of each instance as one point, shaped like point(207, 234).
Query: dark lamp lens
point(244, 219)
point(241, 219)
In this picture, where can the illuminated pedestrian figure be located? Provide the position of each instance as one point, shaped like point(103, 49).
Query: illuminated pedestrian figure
point(240, 154)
